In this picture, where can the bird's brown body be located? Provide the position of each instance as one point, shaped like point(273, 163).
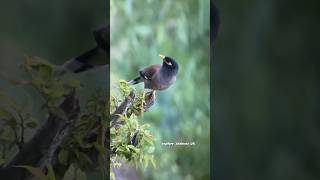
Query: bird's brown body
point(158, 76)
point(156, 81)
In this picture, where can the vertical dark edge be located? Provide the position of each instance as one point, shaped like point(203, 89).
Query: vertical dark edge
point(211, 94)
point(108, 90)
point(212, 130)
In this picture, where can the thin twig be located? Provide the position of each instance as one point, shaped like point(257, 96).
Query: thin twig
point(22, 129)
point(16, 138)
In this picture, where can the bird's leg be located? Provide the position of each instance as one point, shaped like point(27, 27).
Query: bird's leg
point(148, 99)
point(144, 96)
point(154, 94)
point(143, 102)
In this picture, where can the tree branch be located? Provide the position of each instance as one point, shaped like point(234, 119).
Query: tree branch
point(122, 110)
point(45, 145)
point(34, 150)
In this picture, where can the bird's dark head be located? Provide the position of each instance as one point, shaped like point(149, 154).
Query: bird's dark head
point(169, 63)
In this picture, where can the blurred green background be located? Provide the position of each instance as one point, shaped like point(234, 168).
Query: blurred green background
point(140, 30)
point(56, 31)
point(266, 90)
point(53, 30)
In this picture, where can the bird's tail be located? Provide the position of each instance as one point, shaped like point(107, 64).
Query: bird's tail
point(83, 62)
point(75, 66)
point(136, 80)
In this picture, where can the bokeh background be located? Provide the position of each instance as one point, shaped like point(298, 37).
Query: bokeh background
point(140, 30)
point(56, 31)
point(266, 91)
point(53, 30)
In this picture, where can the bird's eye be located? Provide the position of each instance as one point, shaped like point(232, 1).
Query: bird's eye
point(169, 63)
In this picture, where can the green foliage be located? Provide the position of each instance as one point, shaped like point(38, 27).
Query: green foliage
point(92, 122)
point(15, 119)
point(125, 89)
point(53, 86)
point(133, 140)
point(122, 136)
point(112, 175)
point(72, 173)
point(39, 174)
point(75, 172)
point(64, 42)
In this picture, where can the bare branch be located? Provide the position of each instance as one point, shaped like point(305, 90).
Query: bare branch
point(122, 110)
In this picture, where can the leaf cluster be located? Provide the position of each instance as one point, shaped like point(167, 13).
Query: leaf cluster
point(132, 141)
point(15, 120)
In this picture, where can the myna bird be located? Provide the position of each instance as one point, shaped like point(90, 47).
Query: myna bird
point(98, 56)
point(158, 76)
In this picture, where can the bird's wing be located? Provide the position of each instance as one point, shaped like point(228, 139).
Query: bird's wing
point(148, 73)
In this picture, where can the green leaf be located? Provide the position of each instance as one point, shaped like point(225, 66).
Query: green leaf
point(153, 162)
point(112, 175)
point(117, 164)
point(36, 172)
point(112, 131)
point(145, 126)
point(100, 148)
point(7, 135)
point(136, 150)
point(55, 94)
point(5, 114)
point(46, 72)
point(63, 156)
point(50, 175)
point(81, 142)
point(58, 112)
point(148, 140)
point(81, 175)
point(83, 157)
point(38, 82)
point(125, 87)
point(73, 83)
point(146, 161)
point(70, 172)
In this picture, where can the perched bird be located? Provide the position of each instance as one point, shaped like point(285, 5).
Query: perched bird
point(158, 76)
point(98, 56)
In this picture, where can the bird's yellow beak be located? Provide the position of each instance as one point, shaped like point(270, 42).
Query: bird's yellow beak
point(162, 56)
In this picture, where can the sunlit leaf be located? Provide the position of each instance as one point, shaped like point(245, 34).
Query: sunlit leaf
point(112, 175)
